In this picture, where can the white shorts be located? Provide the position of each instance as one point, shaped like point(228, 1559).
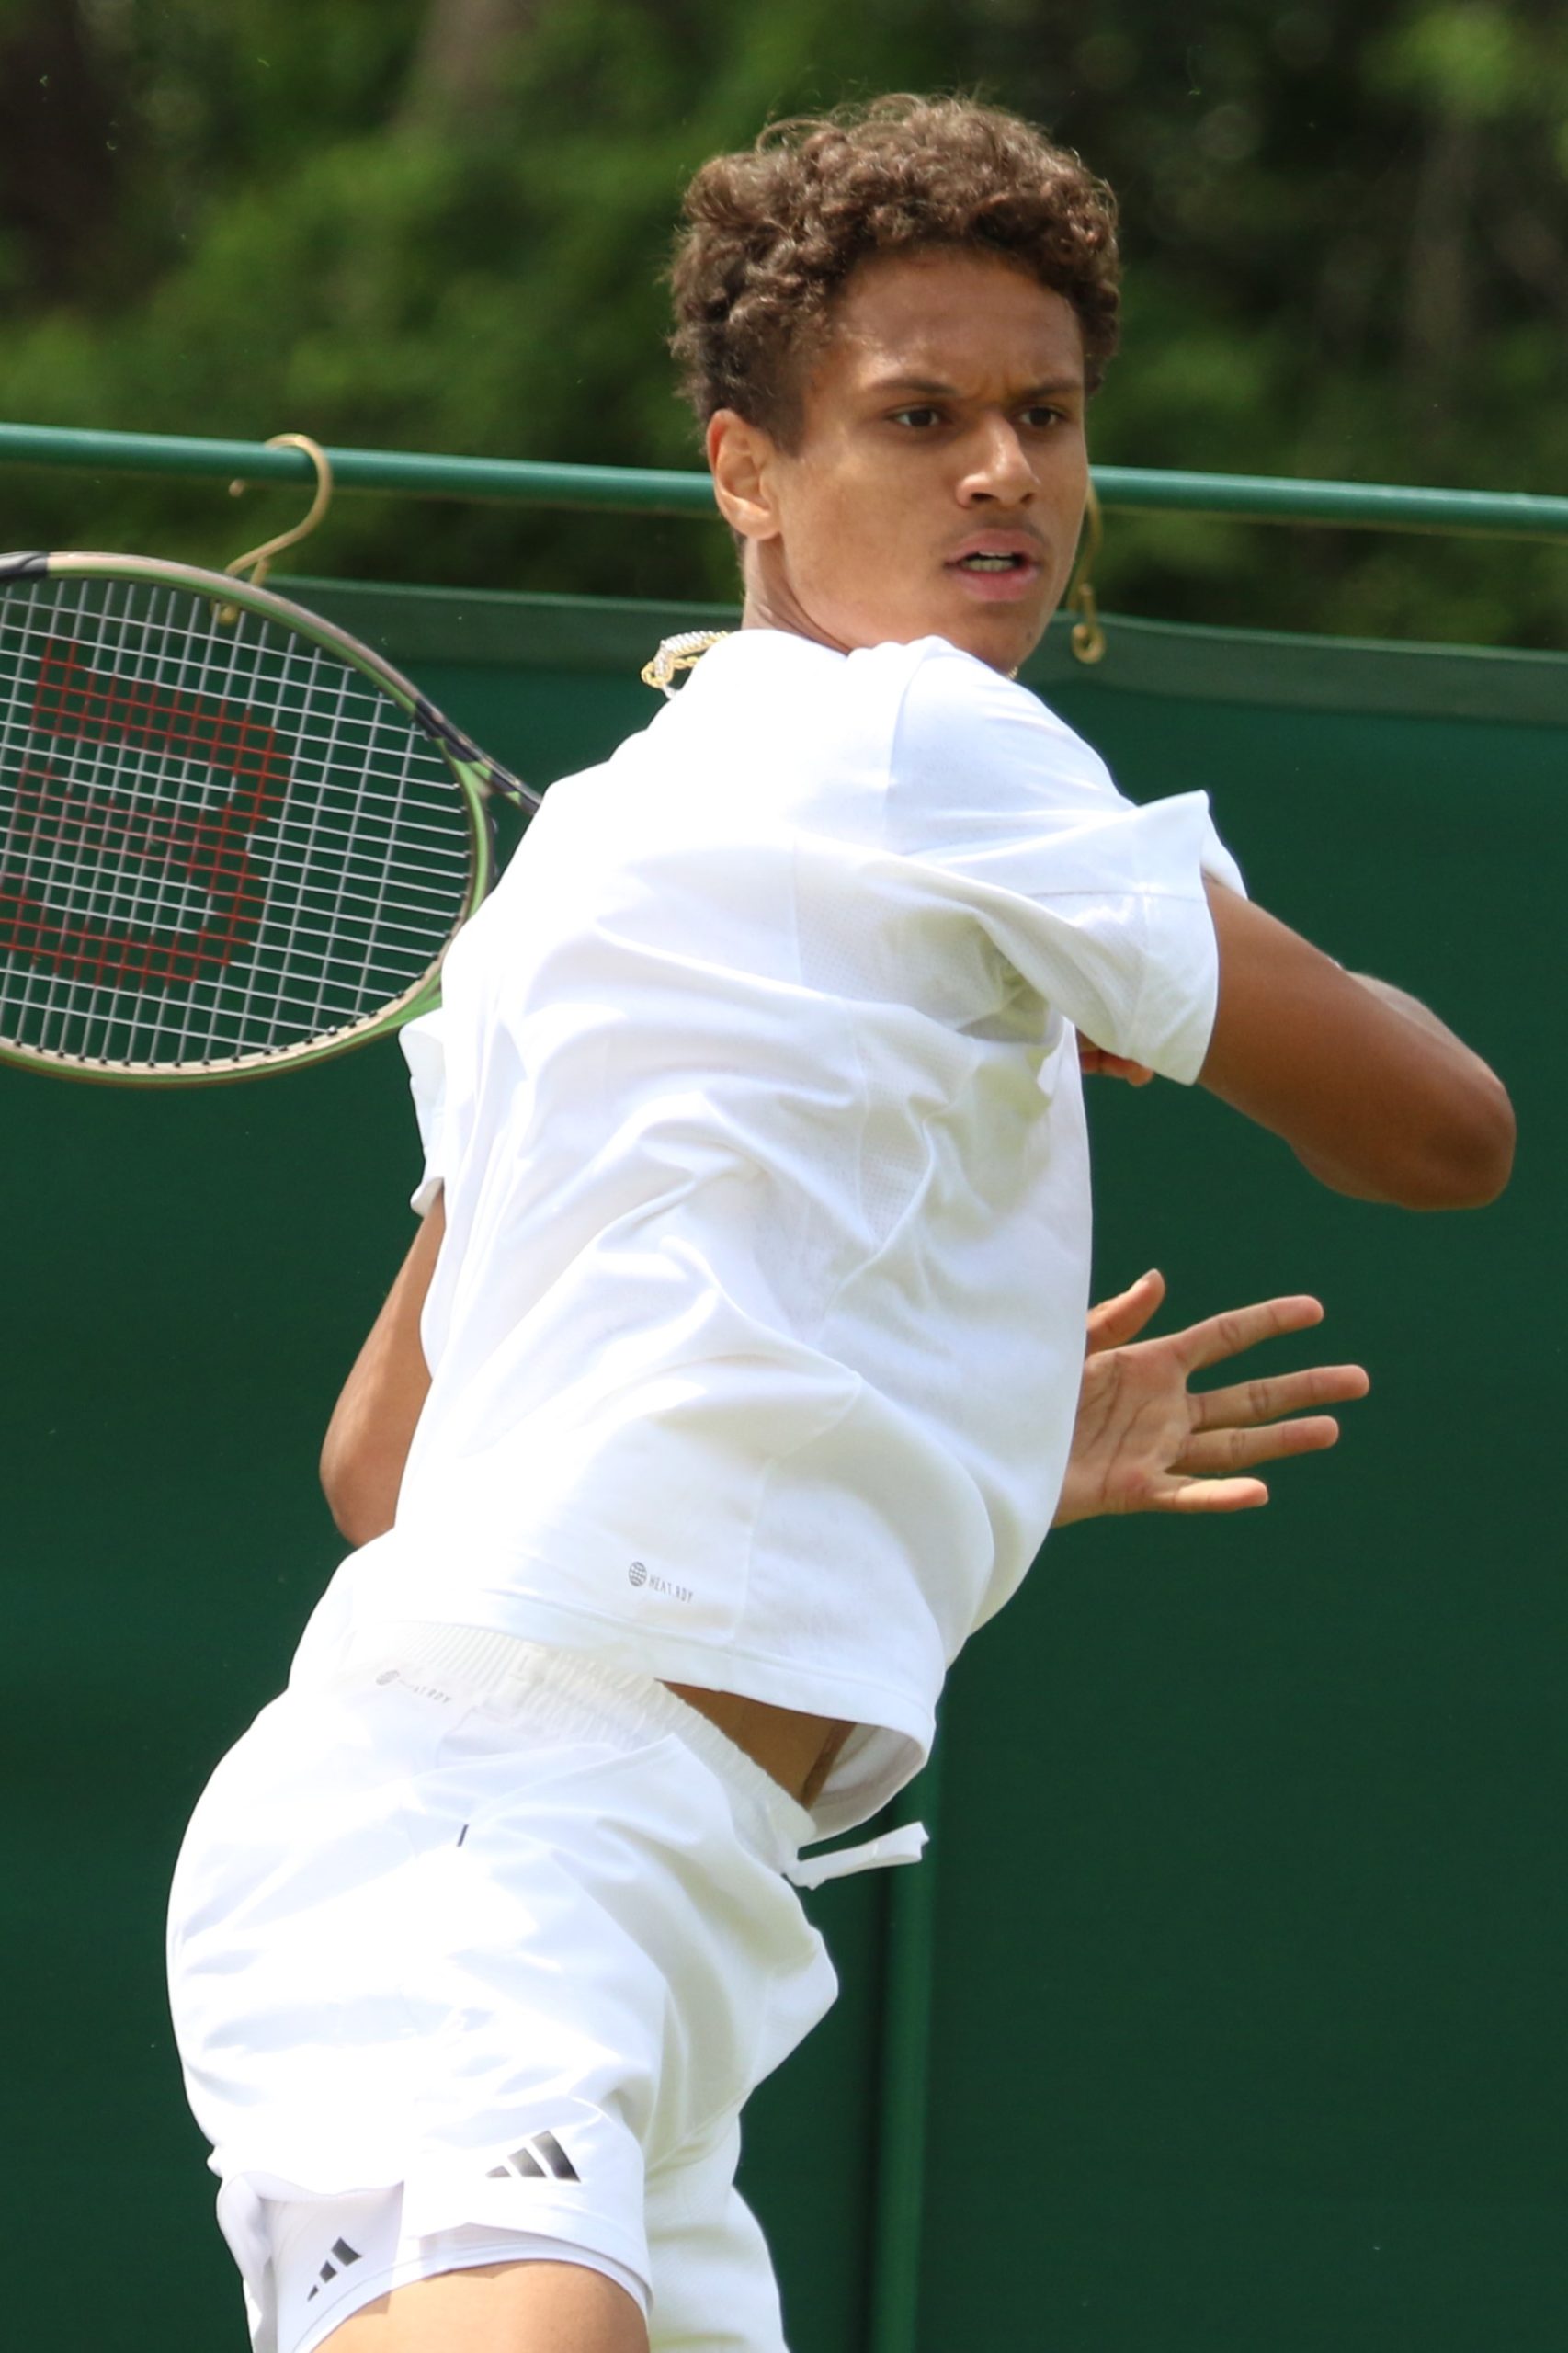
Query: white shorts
point(504, 1931)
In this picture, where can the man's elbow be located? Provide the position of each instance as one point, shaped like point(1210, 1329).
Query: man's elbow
point(1460, 1157)
point(1474, 1158)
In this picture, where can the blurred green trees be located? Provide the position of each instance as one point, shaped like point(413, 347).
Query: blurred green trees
point(441, 224)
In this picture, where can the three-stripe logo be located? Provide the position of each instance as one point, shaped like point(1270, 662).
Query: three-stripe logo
point(329, 2270)
point(541, 2156)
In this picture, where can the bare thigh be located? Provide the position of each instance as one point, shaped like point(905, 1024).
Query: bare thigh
point(499, 2308)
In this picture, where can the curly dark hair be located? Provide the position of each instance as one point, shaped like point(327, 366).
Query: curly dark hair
point(772, 234)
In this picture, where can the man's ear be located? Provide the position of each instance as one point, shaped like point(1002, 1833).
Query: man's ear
point(741, 458)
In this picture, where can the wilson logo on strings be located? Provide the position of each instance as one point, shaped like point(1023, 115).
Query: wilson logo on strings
point(76, 846)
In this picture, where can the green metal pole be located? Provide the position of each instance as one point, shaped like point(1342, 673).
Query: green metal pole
point(1264, 498)
point(620, 489)
point(1258, 498)
point(899, 2214)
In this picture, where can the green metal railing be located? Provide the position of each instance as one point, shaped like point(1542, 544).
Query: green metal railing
point(629, 490)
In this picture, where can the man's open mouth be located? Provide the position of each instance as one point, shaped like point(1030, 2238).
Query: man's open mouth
point(1002, 569)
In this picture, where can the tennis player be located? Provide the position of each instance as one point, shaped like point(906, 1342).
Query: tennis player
point(733, 1377)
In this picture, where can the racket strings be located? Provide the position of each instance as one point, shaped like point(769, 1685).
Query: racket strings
point(215, 841)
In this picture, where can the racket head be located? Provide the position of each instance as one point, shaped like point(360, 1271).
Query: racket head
point(232, 839)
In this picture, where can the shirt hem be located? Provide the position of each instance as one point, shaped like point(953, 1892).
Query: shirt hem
point(881, 1713)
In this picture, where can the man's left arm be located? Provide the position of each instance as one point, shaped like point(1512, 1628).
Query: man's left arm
point(372, 1428)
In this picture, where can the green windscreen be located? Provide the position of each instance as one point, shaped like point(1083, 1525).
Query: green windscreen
point(1249, 1908)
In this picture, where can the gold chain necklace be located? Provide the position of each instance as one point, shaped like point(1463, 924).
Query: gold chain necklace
point(682, 651)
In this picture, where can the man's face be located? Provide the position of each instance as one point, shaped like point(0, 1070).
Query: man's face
point(938, 481)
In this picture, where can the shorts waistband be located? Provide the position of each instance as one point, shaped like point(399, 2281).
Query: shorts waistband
point(571, 1692)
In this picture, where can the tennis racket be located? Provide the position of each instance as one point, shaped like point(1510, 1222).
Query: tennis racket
point(232, 839)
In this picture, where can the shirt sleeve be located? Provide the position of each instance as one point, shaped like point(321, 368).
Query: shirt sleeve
point(424, 1050)
point(1098, 902)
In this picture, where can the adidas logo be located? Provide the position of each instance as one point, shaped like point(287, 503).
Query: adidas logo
point(329, 2270)
point(541, 2155)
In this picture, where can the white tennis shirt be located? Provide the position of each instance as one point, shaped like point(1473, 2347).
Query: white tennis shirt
point(755, 1336)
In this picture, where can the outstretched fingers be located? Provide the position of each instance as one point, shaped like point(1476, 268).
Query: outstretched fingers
point(1240, 1328)
point(1145, 1440)
point(1213, 1494)
point(1239, 1450)
point(1247, 1402)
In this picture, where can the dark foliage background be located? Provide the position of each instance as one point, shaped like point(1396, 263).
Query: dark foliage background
point(441, 224)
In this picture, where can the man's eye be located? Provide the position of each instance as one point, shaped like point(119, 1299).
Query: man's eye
point(921, 417)
point(1040, 419)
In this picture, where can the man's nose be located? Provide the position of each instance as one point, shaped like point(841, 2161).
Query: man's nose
point(1000, 467)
